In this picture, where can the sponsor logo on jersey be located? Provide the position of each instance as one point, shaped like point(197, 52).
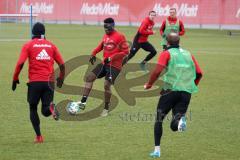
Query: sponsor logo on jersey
point(43, 55)
point(42, 45)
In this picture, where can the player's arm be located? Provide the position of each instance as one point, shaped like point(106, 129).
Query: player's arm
point(58, 58)
point(19, 66)
point(125, 50)
point(98, 49)
point(181, 29)
point(123, 46)
point(144, 29)
point(199, 72)
point(159, 69)
point(162, 28)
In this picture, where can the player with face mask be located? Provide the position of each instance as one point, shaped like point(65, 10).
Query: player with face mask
point(115, 48)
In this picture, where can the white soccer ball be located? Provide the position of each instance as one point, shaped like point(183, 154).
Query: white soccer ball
point(73, 108)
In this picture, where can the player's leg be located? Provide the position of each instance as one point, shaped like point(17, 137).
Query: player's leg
point(48, 107)
point(134, 49)
point(107, 97)
point(165, 104)
point(33, 97)
point(97, 72)
point(179, 119)
point(111, 75)
point(152, 52)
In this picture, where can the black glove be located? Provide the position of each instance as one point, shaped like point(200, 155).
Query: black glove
point(92, 60)
point(107, 60)
point(59, 82)
point(163, 36)
point(14, 84)
point(125, 60)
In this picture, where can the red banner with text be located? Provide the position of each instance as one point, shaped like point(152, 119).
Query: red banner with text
point(192, 12)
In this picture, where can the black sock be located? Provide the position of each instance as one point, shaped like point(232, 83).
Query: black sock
point(84, 99)
point(158, 133)
point(35, 119)
point(150, 56)
point(106, 105)
point(143, 62)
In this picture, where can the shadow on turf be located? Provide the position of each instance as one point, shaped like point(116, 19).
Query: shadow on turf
point(127, 88)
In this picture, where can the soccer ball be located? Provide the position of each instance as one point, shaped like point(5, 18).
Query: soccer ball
point(73, 108)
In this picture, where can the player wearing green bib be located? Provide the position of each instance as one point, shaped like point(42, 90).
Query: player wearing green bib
point(180, 79)
point(171, 24)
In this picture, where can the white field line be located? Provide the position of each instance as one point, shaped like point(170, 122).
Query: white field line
point(13, 40)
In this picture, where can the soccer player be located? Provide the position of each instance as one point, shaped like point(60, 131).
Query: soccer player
point(141, 40)
point(114, 49)
point(41, 55)
point(171, 24)
point(180, 80)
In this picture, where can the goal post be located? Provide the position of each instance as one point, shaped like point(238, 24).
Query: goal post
point(16, 26)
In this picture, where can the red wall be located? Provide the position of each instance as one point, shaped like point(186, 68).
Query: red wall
point(197, 12)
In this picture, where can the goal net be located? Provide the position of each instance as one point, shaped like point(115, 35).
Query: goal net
point(16, 27)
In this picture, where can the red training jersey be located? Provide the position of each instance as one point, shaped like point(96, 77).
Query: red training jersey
point(115, 47)
point(145, 30)
point(173, 21)
point(41, 55)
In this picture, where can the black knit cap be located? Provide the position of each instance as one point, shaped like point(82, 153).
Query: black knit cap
point(38, 29)
point(109, 20)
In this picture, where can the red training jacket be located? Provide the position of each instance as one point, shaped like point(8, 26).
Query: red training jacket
point(41, 55)
point(115, 47)
point(145, 30)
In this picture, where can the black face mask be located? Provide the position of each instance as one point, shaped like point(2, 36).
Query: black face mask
point(108, 27)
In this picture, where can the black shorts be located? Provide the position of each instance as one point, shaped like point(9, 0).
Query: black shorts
point(110, 73)
point(40, 91)
point(177, 101)
point(144, 45)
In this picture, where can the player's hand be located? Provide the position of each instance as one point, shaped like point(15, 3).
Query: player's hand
point(107, 60)
point(147, 86)
point(92, 60)
point(124, 61)
point(164, 36)
point(14, 84)
point(59, 82)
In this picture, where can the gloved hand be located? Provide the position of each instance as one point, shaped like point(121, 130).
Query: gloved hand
point(59, 82)
point(164, 36)
point(125, 59)
point(92, 60)
point(107, 60)
point(147, 86)
point(14, 84)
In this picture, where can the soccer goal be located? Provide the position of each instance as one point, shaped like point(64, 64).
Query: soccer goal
point(16, 27)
